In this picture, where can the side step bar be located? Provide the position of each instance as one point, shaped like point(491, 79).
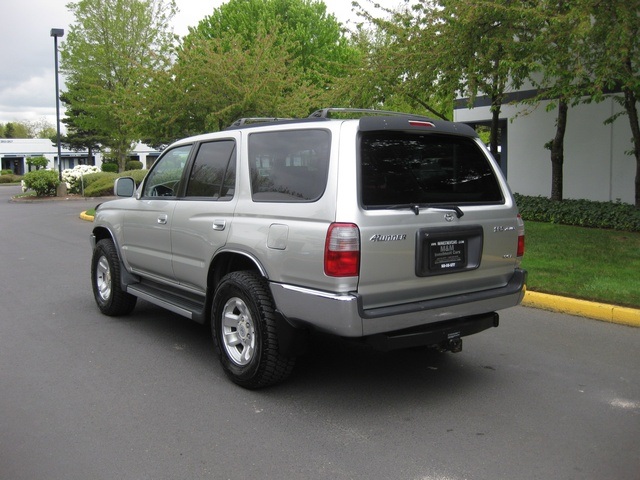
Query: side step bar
point(188, 305)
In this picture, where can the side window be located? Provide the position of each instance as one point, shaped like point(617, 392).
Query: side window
point(289, 166)
point(164, 178)
point(214, 171)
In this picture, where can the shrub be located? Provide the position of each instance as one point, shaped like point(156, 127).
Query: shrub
point(10, 178)
point(6, 172)
point(43, 182)
point(100, 184)
point(137, 175)
point(110, 167)
point(583, 213)
point(133, 165)
point(76, 176)
point(38, 162)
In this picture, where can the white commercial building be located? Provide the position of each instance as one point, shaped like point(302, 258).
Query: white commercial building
point(596, 165)
point(14, 153)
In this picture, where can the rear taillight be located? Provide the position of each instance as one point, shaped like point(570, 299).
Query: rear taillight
point(342, 250)
point(520, 237)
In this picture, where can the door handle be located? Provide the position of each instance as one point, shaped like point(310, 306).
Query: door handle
point(219, 225)
point(162, 219)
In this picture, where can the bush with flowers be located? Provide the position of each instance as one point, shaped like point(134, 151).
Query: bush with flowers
point(74, 177)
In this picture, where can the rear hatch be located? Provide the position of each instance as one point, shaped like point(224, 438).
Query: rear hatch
point(436, 216)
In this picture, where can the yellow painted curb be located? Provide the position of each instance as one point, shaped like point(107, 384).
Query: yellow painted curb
point(84, 216)
point(583, 308)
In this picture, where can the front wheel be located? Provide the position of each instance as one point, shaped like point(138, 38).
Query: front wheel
point(111, 299)
point(243, 326)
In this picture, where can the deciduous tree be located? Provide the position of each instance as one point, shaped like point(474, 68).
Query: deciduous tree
point(559, 32)
point(250, 58)
point(615, 63)
point(110, 53)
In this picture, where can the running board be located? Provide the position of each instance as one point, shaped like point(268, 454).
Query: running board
point(188, 305)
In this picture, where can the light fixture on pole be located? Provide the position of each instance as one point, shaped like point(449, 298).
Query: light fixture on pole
point(55, 33)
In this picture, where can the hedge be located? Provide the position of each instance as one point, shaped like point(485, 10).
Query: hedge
point(583, 213)
point(10, 178)
point(101, 184)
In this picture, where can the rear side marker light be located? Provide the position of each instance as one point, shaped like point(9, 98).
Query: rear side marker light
point(520, 237)
point(342, 250)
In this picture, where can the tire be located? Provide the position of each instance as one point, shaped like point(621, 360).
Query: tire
point(111, 299)
point(243, 326)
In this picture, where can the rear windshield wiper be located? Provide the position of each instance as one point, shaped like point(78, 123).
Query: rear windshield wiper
point(415, 207)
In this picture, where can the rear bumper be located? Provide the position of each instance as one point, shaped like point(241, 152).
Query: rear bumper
point(343, 315)
point(438, 333)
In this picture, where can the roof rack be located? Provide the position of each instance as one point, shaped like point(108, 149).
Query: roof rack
point(326, 112)
point(245, 121)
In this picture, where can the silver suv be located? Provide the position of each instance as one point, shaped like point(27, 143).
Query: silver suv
point(393, 229)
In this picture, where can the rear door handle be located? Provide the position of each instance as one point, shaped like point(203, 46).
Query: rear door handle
point(162, 219)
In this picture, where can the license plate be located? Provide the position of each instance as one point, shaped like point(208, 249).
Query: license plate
point(447, 254)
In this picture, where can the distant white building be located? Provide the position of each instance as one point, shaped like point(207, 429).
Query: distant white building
point(596, 166)
point(14, 153)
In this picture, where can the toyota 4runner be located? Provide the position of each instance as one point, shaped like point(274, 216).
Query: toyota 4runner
point(395, 229)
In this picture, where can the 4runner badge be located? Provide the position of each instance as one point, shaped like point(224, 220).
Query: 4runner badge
point(388, 238)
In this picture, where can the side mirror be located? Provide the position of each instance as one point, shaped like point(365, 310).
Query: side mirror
point(124, 187)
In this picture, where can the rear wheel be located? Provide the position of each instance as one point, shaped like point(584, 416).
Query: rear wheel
point(111, 299)
point(243, 325)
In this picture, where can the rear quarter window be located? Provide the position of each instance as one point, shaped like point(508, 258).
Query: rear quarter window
point(398, 168)
point(289, 166)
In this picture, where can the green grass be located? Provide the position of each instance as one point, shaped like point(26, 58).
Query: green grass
point(585, 263)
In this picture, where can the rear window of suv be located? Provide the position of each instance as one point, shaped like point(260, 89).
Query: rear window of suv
point(399, 168)
point(289, 166)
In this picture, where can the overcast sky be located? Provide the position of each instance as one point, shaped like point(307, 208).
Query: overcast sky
point(27, 79)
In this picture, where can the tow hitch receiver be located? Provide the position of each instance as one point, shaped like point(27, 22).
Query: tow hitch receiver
point(453, 345)
point(446, 335)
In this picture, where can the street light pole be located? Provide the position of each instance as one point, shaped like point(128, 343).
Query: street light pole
point(55, 33)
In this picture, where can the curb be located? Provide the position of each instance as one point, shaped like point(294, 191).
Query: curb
point(554, 303)
point(84, 216)
point(583, 308)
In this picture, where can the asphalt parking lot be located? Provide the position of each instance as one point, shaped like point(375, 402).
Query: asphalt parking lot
point(83, 396)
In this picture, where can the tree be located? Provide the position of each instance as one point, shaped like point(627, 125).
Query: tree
point(615, 63)
point(314, 39)
point(109, 56)
point(480, 49)
point(219, 80)
point(558, 70)
point(265, 58)
point(387, 75)
point(38, 162)
point(78, 138)
point(39, 128)
point(16, 130)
